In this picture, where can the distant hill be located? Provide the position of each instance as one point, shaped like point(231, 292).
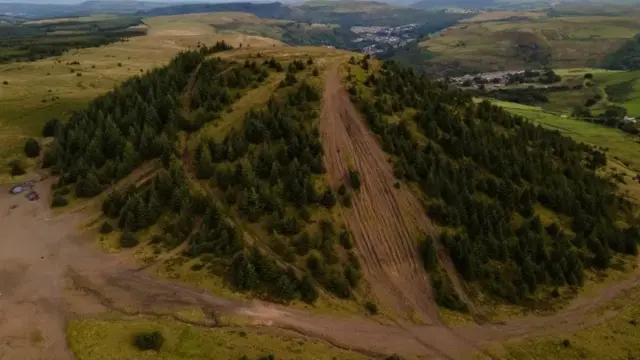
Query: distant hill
point(462, 4)
point(34, 10)
point(274, 10)
point(627, 57)
point(346, 13)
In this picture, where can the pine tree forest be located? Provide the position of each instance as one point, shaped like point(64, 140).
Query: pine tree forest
point(486, 175)
point(269, 171)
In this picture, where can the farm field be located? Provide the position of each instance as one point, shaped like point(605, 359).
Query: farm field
point(621, 88)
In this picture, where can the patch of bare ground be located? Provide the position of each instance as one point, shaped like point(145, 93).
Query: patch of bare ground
point(383, 219)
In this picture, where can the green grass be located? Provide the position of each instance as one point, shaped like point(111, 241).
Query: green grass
point(621, 145)
point(113, 340)
point(617, 338)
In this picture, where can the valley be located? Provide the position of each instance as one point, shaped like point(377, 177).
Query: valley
point(234, 181)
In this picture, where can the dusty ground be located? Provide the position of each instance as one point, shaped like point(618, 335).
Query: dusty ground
point(50, 272)
point(382, 218)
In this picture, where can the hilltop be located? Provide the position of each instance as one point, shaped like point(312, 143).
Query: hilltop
point(250, 173)
point(208, 189)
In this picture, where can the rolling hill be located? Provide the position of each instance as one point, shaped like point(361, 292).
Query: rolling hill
point(525, 42)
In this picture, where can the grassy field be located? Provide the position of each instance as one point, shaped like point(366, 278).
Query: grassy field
point(516, 44)
point(617, 338)
point(620, 144)
point(51, 88)
point(113, 340)
point(620, 88)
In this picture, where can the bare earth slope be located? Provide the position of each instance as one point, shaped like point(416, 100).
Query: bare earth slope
point(383, 219)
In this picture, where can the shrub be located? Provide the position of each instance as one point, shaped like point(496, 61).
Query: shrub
point(5, 82)
point(346, 200)
point(59, 201)
point(354, 179)
point(394, 357)
point(149, 341)
point(106, 228)
point(17, 167)
point(345, 240)
point(352, 275)
point(588, 76)
point(128, 240)
point(316, 72)
point(158, 239)
point(308, 292)
point(32, 148)
point(371, 307)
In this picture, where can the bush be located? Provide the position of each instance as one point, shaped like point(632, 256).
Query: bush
point(158, 239)
point(17, 167)
point(5, 82)
point(59, 201)
point(128, 240)
point(106, 228)
point(346, 200)
point(50, 127)
point(345, 240)
point(316, 72)
point(32, 148)
point(588, 76)
point(148, 341)
point(308, 292)
point(354, 179)
point(372, 308)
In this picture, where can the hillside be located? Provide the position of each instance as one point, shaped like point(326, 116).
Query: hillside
point(519, 43)
point(440, 149)
point(627, 57)
point(254, 179)
point(342, 13)
point(227, 175)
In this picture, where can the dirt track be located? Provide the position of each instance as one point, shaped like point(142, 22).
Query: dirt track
point(49, 273)
point(382, 218)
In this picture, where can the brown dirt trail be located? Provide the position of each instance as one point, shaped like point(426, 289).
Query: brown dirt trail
point(385, 232)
